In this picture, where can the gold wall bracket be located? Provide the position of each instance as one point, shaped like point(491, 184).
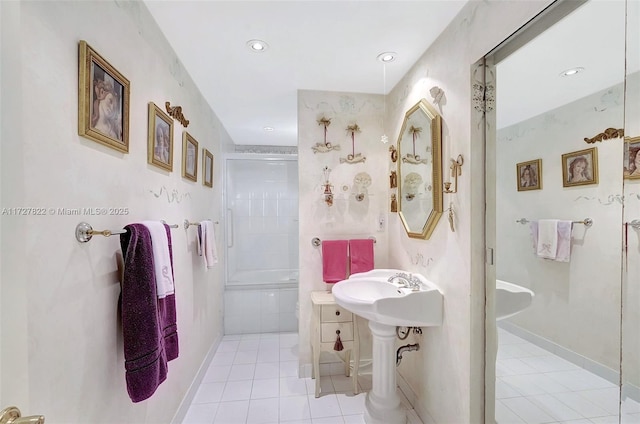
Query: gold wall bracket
point(176, 112)
point(456, 171)
point(11, 415)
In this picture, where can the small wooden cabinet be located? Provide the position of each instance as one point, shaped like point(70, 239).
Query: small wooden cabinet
point(330, 320)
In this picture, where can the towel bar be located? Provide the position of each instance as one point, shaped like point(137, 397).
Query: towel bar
point(316, 242)
point(188, 223)
point(84, 232)
point(588, 222)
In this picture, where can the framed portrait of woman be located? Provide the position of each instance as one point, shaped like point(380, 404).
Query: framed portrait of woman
point(103, 101)
point(580, 168)
point(632, 158)
point(529, 175)
point(207, 168)
point(160, 141)
point(189, 157)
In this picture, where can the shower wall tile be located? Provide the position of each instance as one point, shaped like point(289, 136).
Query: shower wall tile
point(266, 311)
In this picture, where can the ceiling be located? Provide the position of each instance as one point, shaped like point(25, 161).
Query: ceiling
point(591, 37)
point(313, 45)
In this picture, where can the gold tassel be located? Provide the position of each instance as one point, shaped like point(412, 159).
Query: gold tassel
point(338, 345)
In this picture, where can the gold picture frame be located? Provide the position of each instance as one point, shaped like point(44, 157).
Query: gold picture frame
point(103, 100)
point(529, 175)
point(207, 168)
point(580, 168)
point(189, 157)
point(160, 138)
point(632, 158)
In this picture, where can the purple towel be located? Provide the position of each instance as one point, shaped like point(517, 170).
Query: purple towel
point(148, 323)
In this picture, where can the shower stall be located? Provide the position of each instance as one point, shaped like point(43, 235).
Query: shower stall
point(261, 200)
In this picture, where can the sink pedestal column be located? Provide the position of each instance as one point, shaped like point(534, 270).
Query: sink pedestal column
point(382, 405)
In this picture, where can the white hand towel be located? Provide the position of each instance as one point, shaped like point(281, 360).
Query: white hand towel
point(564, 241)
point(547, 238)
point(208, 241)
point(161, 259)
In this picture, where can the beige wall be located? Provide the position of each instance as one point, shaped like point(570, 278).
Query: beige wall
point(62, 350)
point(447, 374)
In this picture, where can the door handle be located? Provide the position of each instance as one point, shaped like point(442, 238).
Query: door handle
point(11, 415)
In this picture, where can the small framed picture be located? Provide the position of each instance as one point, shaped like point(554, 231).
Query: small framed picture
point(529, 175)
point(103, 101)
point(632, 158)
point(160, 142)
point(189, 157)
point(207, 168)
point(580, 168)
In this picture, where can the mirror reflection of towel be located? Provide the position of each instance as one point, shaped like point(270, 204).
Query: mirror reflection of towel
point(552, 239)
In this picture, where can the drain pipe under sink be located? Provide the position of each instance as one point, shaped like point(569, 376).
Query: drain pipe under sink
point(405, 348)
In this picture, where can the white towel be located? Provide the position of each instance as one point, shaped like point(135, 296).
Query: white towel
point(547, 246)
point(161, 259)
point(563, 253)
point(207, 243)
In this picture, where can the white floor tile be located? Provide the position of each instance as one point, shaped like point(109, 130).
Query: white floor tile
point(324, 406)
point(505, 390)
point(246, 357)
point(249, 344)
point(612, 419)
point(631, 419)
point(232, 412)
point(289, 353)
point(237, 390)
point(607, 399)
point(294, 408)
point(555, 408)
point(342, 383)
point(272, 355)
point(578, 403)
point(528, 411)
point(266, 388)
point(288, 369)
point(269, 344)
point(505, 415)
point(223, 358)
point(354, 419)
point(267, 370)
point(292, 386)
point(208, 393)
point(328, 420)
point(288, 340)
point(413, 418)
point(351, 405)
point(217, 374)
point(549, 363)
point(202, 413)
point(263, 411)
point(228, 346)
point(242, 372)
point(580, 380)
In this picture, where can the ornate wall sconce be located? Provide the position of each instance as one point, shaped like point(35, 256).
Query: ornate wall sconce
point(394, 153)
point(353, 157)
point(393, 179)
point(327, 194)
point(325, 146)
point(456, 171)
point(394, 203)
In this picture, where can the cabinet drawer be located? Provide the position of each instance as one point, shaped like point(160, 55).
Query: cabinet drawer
point(328, 331)
point(334, 313)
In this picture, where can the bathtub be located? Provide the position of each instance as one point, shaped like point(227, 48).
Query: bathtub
point(261, 302)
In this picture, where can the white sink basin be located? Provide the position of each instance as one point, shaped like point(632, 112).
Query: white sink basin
point(371, 296)
point(511, 299)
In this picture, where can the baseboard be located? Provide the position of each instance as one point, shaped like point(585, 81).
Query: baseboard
point(195, 384)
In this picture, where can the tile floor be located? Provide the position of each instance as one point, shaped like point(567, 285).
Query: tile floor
point(534, 386)
point(252, 379)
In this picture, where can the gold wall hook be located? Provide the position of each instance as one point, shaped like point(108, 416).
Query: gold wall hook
point(456, 171)
point(11, 415)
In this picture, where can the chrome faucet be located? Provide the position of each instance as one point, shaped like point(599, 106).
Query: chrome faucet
point(406, 280)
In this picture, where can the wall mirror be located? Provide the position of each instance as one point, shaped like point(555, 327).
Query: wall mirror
point(420, 170)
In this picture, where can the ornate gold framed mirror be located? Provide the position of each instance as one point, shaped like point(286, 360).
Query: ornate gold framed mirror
point(420, 170)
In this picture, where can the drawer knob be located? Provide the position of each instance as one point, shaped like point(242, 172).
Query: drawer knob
point(337, 313)
point(338, 332)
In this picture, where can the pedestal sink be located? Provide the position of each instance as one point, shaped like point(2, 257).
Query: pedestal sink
point(511, 299)
point(387, 305)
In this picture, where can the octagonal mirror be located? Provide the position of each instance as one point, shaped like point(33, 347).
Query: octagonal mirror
point(420, 170)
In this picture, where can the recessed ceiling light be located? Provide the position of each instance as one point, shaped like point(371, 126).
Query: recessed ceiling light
point(570, 72)
point(257, 45)
point(387, 57)
point(268, 128)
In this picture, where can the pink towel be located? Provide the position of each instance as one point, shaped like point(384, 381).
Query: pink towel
point(334, 260)
point(361, 253)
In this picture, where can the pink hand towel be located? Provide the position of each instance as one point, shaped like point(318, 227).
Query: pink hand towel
point(361, 253)
point(334, 260)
